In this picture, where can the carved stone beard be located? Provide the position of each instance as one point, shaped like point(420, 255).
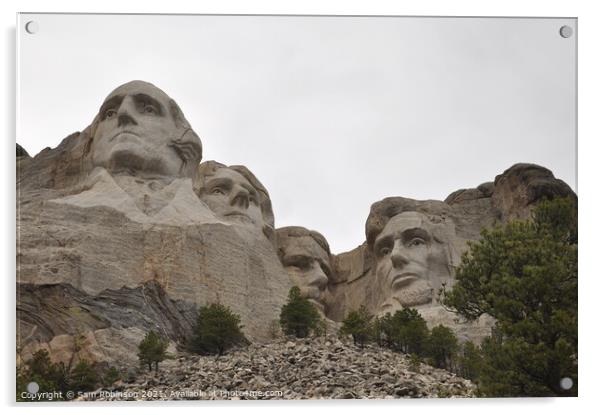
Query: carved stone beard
point(132, 164)
point(418, 293)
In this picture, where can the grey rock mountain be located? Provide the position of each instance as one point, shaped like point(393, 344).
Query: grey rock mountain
point(122, 229)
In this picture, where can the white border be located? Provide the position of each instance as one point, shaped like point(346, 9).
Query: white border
point(590, 288)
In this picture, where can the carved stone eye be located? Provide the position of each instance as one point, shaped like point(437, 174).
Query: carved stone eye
point(110, 113)
point(149, 109)
point(217, 191)
point(416, 242)
point(385, 251)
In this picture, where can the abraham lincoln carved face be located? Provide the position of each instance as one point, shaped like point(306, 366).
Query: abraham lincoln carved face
point(412, 261)
point(140, 131)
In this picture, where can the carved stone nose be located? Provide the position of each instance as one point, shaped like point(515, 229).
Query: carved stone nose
point(398, 257)
point(125, 119)
point(241, 199)
point(319, 278)
point(124, 114)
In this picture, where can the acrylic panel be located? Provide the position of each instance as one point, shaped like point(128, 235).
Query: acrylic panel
point(294, 207)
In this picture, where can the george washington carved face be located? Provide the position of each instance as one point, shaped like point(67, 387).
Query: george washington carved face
point(141, 131)
point(412, 262)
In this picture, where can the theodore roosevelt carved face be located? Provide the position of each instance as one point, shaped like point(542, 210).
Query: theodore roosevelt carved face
point(235, 195)
point(140, 131)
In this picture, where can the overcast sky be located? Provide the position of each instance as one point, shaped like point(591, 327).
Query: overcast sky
point(331, 113)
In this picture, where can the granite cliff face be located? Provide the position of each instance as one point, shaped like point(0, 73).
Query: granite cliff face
point(120, 209)
point(122, 229)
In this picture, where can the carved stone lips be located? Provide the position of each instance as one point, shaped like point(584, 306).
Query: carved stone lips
point(239, 214)
point(124, 132)
point(403, 279)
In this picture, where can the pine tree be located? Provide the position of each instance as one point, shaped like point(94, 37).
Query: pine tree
point(358, 324)
point(152, 349)
point(442, 346)
point(469, 361)
point(50, 377)
point(524, 274)
point(409, 333)
point(216, 330)
point(298, 316)
point(83, 377)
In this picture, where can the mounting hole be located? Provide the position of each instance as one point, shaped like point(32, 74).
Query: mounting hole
point(566, 383)
point(33, 388)
point(566, 31)
point(32, 27)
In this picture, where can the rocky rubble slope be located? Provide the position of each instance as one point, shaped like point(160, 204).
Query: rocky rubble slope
point(324, 368)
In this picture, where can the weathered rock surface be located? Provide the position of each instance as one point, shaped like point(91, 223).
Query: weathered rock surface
point(21, 152)
point(58, 311)
point(96, 249)
point(521, 186)
point(323, 368)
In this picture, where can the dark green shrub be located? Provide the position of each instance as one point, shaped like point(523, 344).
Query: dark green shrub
point(217, 329)
point(358, 324)
point(442, 347)
point(298, 316)
point(152, 350)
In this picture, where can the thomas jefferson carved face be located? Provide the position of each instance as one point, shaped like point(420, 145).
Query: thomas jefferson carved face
point(411, 262)
point(141, 131)
point(230, 195)
point(308, 265)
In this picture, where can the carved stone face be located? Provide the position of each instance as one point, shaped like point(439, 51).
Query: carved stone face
point(231, 197)
point(135, 129)
point(308, 265)
point(411, 263)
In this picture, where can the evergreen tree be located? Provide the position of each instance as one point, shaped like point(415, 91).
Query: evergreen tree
point(442, 346)
point(152, 349)
point(469, 361)
point(409, 331)
point(83, 377)
point(358, 324)
point(216, 330)
point(298, 316)
point(111, 376)
point(50, 377)
point(384, 331)
point(524, 274)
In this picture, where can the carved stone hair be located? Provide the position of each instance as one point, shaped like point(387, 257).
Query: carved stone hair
point(298, 231)
point(381, 212)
